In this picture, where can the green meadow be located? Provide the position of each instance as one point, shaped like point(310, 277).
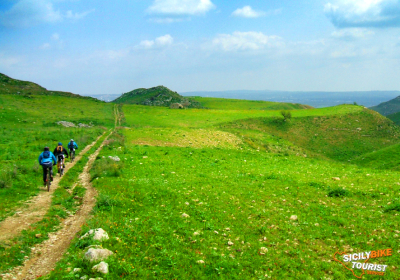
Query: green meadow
point(242, 194)
point(27, 125)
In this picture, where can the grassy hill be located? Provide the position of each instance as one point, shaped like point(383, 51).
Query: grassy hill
point(395, 118)
point(226, 193)
point(240, 104)
point(17, 87)
point(339, 137)
point(388, 108)
point(155, 96)
point(198, 198)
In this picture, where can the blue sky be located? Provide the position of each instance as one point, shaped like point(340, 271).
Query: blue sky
point(110, 47)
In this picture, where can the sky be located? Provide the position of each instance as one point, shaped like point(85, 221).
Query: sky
point(110, 47)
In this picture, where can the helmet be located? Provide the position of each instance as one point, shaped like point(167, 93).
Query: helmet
point(72, 140)
point(59, 143)
point(46, 149)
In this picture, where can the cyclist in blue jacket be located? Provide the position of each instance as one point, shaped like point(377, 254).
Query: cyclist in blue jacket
point(72, 146)
point(46, 160)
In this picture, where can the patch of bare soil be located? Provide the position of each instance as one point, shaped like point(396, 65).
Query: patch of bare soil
point(47, 254)
point(34, 209)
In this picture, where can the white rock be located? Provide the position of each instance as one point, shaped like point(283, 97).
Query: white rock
point(97, 254)
point(101, 267)
point(263, 250)
point(98, 234)
point(200, 261)
point(115, 158)
point(230, 243)
point(85, 277)
point(184, 215)
point(77, 269)
point(293, 218)
point(336, 178)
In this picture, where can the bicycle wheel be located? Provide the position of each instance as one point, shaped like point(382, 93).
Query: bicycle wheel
point(48, 180)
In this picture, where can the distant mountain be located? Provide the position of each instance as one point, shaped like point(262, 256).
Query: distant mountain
point(17, 87)
point(315, 99)
point(156, 96)
point(388, 108)
point(106, 97)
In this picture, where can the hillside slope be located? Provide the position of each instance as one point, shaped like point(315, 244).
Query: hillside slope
point(12, 86)
point(389, 107)
point(240, 104)
point(338, 137)
point(155, 96)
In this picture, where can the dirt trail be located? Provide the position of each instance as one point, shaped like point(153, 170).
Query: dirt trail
point(34, 209)
point(47, 254)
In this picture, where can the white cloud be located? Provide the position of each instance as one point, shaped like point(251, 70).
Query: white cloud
point(352, 33)
point(168, 20)
point(161, 41)
point(248, 12)
point(164, 40)
point(240, 41)
point(55, 36)
point(181, 7)
point(364, 13)
point(76, 16)
point(26, 13)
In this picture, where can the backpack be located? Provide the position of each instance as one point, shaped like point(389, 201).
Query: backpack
point(60, 149)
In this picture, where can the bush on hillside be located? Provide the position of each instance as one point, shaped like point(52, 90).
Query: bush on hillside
point(339, 192)
point(287, 115)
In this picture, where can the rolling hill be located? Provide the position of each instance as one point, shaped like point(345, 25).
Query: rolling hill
point(17, 87)
point(155, 96)
point(388, 108)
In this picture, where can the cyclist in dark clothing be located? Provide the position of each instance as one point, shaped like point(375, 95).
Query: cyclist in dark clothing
point(60, 152)
point(46, 160)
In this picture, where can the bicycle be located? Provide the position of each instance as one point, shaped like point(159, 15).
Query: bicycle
point(61, 164)
point(72, 153)
point(48, 178)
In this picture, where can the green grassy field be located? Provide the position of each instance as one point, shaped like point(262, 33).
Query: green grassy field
point(239, 104)
point(240, 194)
point(27, 125)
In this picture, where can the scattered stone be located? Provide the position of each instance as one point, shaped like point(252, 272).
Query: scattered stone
point(97, 254)
point(200, 261)
point(115, 158)
point(184, 215)
point(66, 124)
point(230, 243)
point(263, 250)
point(293, 218)
point(101, 267)
point(77, 269)
point(98, 234)
point(38, 235)
point(84, 125)
point(196, 233)
point(336, 178)
point(85, 277)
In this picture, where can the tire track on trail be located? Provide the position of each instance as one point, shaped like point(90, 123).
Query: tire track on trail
point(34, 209)
point(45, 255)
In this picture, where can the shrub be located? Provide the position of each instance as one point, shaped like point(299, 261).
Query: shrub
point(338, 192)
point(287, 115)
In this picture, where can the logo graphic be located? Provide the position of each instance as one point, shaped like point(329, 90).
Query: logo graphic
point(358, 262)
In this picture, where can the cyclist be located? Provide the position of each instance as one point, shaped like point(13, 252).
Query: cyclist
point(46, 160)
point(60, 152)
point(72, 146)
